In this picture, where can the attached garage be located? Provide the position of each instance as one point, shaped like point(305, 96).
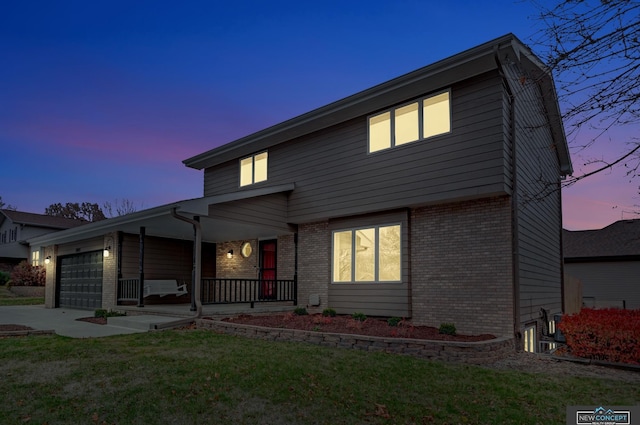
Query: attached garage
point(80, 281)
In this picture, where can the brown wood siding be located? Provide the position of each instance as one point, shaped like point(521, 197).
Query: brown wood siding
point(270, 210)
point(374, 299)
point(608, 283)
point(538, 202)
point(164, 258)
point(335, 176)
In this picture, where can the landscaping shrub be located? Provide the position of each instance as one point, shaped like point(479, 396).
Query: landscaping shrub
point(606, 334)
point(329, 312)
point(107, 313)
point(361, 317)
point(393, 321)
point(24, 274)
point(300, 311)
point(447, 329)
point(4, 278)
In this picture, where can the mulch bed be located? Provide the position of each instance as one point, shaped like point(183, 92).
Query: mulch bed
point(11, 328)
point(95, 320)
point(348, 325)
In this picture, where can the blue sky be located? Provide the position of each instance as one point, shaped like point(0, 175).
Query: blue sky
point(102, 100)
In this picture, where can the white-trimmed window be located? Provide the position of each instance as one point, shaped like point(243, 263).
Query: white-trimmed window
point(35, 258)
point(253, 169)
point(530, 339)
point(370, 254)
point(424, 118)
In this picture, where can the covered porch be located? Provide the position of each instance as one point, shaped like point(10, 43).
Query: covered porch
point(229, 253)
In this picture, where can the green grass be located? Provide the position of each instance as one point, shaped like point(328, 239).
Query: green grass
point(198, 377)
point(9, 298)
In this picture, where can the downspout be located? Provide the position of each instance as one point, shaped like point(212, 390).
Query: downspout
point(197, 260)
point(515, 239)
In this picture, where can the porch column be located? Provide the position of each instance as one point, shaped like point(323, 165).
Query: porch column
point(141, 268)
point(295, 267)
point(195, 279)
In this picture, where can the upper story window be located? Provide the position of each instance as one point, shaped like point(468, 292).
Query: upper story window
point(421, 119)
point(253, 169)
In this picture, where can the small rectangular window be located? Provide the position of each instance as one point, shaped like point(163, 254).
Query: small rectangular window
point(389, 257)
point(365, 255)
point(342, 256)
point(260, 168)
point(436, 115)
point(253, 169)
point(406, 124)
point(35, 258)
point(380, 132)
point(246, 171)
point(530, 339)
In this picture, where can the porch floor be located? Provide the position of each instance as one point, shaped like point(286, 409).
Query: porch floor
point(211, 310)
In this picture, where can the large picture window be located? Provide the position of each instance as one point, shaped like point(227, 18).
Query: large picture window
point(253, 169)
point(369, 254)
point(422, 119)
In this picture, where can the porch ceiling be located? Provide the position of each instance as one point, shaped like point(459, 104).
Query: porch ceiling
point(159, 221)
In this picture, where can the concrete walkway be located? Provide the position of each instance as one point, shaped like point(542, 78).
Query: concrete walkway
point(63, 321)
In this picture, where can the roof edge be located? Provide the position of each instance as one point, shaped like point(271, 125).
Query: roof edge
point(486, 49)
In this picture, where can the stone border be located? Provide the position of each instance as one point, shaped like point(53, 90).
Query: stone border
point(481, 352)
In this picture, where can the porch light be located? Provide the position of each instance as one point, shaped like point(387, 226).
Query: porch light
point(47, 260)
point(230, 253)
point(106, 251)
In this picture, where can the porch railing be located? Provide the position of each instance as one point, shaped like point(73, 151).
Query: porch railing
point(233, 291)
point(128, 289)
point(227, 291)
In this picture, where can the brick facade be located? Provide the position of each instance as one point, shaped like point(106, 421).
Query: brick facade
point(462, 266)
point(313, 264)
point(237, 267)
point(110, 273)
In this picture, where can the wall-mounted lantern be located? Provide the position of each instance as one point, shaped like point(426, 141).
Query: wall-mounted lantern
point(230, 253)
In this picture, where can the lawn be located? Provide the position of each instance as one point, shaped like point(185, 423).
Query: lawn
point(9, 298)
point(198, 377)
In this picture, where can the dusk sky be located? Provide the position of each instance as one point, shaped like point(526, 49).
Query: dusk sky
point(102, 100)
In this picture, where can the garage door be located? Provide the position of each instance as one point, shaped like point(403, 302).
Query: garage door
point(80, 281)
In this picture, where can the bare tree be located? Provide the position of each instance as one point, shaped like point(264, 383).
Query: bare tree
point(593, 49)
point(119, 207)
point(85, 211)
point(6, 206)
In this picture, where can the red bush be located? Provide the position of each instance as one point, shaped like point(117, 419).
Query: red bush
point(608, 334)
point(24, 274)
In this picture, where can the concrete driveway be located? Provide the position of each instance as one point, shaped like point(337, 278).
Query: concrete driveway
point(63, 321)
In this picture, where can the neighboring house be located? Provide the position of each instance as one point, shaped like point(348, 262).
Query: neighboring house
point(434, 196)
point(607, 262)
point(18, 226)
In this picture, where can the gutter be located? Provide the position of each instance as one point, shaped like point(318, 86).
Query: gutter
point(196, 304)
point(515, 240)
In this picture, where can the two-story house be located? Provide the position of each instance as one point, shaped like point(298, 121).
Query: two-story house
point(607, 263)
point(18, 226)
point(434, 196)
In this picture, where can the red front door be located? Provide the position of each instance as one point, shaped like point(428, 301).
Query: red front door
point(268, 269)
